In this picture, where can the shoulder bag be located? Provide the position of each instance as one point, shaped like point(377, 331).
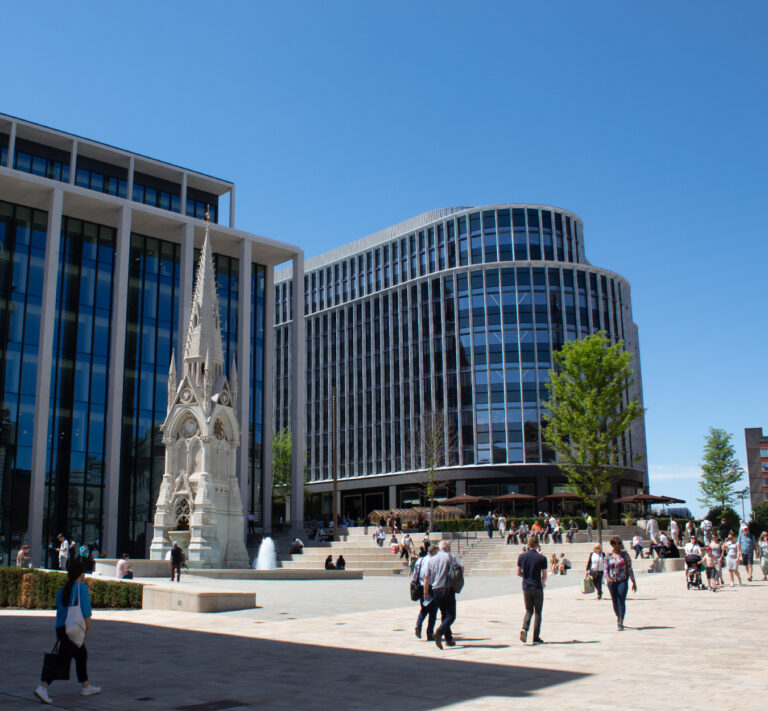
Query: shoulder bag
point(75, 623)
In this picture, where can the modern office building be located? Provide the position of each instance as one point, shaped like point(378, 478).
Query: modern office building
point(757, 465)
point(454, 316)
point(97, 250)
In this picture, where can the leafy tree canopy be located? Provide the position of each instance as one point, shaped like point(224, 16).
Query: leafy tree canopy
point(282, 448)
point(720, 470)
point(589, 411)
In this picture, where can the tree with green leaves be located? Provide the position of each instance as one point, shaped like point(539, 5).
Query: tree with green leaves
point(720, 470)
point(589, 411)
point(282, 451)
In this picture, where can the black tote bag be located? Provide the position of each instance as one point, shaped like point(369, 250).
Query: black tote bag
point(56, 664)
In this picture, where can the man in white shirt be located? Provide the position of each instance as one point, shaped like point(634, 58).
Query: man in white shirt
point(437, 585)
point(63, 551)
point(427, 611)
point(674, 530)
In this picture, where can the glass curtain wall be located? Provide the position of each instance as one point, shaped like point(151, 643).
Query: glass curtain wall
point(152, 325)
point(23, 234)
point(78, 403)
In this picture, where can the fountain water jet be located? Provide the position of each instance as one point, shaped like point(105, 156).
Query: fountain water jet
point(267, 558)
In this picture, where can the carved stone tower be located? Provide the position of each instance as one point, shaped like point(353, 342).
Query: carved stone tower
point(200, 492)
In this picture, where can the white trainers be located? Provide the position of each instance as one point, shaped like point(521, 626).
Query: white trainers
point(42, 693)
point(90, 690)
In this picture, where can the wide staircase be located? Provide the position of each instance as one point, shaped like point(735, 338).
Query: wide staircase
point(480, 555)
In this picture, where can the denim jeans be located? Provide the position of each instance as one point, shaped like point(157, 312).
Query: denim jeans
point(428, 613)
point(619, 598)
point(534, 601)
point(446, 602)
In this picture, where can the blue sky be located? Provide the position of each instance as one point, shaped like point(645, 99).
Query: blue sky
point(337, 119)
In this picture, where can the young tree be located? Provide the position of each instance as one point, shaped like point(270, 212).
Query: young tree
point(720, 470)
point(435, 438)
point(282, 447)
point(589, 411)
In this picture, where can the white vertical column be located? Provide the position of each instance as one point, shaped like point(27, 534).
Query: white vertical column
point(298, 392)
point(113, 442)
point(232, 207)
point(44, 360)
point(244, 324)
point(12, 145)
point(186, 279)
point(268, 402)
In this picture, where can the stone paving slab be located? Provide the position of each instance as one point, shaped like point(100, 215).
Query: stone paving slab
point(370, 659)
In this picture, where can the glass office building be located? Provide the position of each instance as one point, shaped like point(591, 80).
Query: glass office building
point(97, 251)
point(456, 313)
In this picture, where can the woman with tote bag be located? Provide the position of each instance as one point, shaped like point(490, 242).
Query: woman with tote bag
point(73, 623)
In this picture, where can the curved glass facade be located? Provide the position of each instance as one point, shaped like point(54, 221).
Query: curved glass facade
point(459, 315)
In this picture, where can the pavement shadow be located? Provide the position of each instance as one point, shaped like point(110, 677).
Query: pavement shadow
point(649, 627)
point(148, 668)
point(575, 641)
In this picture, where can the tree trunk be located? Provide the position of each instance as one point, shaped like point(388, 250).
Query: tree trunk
point(599, 517)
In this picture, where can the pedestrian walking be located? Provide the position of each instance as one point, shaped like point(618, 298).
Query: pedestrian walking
point(532, 568)
point(764, 554)
point(618, 573)
point(177, 556)
point(674, 530)
point(427, 606)
point(502, 526)
point(489, 524)
point(589, 529)
point(732, 554)
point(24, 557)
point(73, 593)
point(717, 554)
point(747, 549)
point(596, 569)
point(437, 584)
point(63, 551)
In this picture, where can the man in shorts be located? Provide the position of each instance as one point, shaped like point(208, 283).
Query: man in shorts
point(746, 543)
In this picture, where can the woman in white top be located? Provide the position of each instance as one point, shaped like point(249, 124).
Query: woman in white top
point(717, 554)
point(732, 555)
point(502, 526)
point(596, 568)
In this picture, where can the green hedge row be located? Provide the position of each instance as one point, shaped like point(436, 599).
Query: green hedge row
point(37, 589)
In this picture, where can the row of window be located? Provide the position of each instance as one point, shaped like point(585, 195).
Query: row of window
point(112, 180)
point(516, 234)
point(480, 341)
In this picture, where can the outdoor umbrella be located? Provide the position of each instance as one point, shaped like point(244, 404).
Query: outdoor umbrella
point(643, 499)
point(463, 499)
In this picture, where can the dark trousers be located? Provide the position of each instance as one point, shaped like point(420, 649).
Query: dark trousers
point(428, 613)
point(70, 651)
point(597, 579)
point(534, 601)
point(176, 569)
point(490, 532)
point(619, 598)
point(446, 603)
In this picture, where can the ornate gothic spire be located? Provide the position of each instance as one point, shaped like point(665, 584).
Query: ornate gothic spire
point(204, 330)
point(172, 379)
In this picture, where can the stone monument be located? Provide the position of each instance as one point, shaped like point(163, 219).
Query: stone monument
point(199, 504)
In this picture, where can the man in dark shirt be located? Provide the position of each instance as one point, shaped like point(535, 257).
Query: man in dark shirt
point(532, 568)
point(723, 529)
point(177, 556)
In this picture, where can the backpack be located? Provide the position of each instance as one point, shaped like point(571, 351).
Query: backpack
point(416, 590)
point(455, 575)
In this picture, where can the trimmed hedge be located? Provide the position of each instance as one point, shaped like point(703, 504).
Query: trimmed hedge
point(37, 589)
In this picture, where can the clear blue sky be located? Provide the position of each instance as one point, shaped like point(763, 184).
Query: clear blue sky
point(337, 119)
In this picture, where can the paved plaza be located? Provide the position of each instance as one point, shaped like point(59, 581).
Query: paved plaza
point(350, 645)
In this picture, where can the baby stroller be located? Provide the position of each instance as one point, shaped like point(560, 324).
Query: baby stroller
point(693, 572)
